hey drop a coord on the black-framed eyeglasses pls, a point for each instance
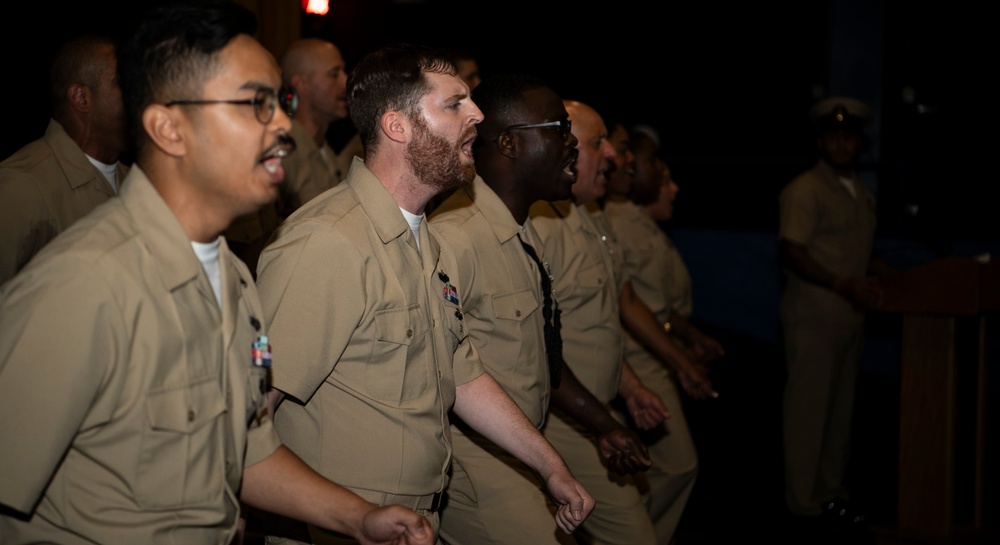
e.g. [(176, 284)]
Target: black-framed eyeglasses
[(264, 102), (564, 126)]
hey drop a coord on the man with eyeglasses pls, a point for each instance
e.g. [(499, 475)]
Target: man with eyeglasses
[(315, 69), (512, 318), (590, 286), (370, 300), (55, 180), (134, 366)]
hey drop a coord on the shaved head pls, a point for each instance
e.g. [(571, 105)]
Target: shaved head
[(316, 69), (303, 57)]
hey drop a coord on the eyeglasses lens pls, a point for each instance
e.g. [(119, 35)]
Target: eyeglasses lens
[(263, 105), (265, 101), (288, 98)]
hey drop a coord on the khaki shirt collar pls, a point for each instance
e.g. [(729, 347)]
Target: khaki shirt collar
[(382, 209), (497, 215), (159, 228), (78, 170)]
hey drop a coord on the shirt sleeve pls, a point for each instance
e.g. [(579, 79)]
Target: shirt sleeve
[(798, 207), (24, 221), (61, 337), (300, 294)]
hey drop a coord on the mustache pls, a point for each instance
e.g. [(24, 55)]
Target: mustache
[(283, 145)]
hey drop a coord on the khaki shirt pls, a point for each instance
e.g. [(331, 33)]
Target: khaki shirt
[(131, 393), (371, 347), (503, 300), (587, 290), (658, 274), (45, 187), (837, 229)]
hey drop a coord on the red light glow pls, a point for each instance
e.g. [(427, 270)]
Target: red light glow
[(317, 7)]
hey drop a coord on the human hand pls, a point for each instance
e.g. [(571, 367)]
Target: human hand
[(395, 525), (573, 502), (696, 383), (624, 452), (864, 292), (704, 348), (646, 408)]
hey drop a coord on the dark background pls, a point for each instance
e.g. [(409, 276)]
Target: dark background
[(728, 85)]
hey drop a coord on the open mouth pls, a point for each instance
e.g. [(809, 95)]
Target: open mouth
[(467, 143), (271, 158), (570, 167)]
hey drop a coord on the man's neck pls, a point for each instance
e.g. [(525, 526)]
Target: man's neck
[(87, 139), (410, 193), (316, 129), (182, 197), (509, 192)]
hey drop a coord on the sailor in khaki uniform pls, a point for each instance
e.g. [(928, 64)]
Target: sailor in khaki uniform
[(138, 408), (826, 232), (512, 317), (659, 279), (133, 354), (378, 373), (55, 180), (367, 302), (587, 286), (503, 310)]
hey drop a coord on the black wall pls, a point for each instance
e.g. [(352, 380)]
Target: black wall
[(727, 83)]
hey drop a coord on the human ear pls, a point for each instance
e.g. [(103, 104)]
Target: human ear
[(162, 128), (79, 97), (395, 126), (506, 144)]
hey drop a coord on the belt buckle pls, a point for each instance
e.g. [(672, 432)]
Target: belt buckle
[(436, 502)]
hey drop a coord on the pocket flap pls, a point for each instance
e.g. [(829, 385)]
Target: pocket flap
[(185, 409), (395, 325), (515, 306)]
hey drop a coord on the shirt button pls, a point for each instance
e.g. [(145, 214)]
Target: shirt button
[(409, 332), (190, 415), (517, 313)]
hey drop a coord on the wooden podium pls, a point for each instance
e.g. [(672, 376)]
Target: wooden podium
[(946, 307)]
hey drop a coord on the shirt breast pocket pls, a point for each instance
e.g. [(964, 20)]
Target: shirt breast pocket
[(182, 459), (391, 375), (515, 319), (590, 280)]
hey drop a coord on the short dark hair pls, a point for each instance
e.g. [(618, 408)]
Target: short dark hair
[(76, 61), (172, 50), (496, 97), (391, 78)]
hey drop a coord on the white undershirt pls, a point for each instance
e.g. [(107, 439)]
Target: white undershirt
[(109, 171), (414, 221), (208, 254), (849, 184)]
